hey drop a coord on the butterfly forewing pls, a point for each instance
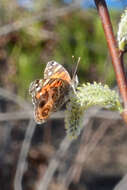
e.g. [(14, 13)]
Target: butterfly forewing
[(55, 70)]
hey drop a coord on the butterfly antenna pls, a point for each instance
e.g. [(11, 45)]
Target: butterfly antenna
[(75, 71)]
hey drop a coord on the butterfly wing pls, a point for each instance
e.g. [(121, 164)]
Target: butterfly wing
[(55, 70), (52, 92), (52, 96)]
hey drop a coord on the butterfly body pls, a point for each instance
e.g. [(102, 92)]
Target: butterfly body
[(50, 93)]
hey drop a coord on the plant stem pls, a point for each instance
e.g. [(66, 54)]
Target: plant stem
[(114, 52)]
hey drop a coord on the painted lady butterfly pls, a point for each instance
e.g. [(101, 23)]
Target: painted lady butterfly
[(50, 93)]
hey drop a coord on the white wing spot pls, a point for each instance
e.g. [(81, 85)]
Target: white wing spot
[(49, 73), (50, 67), (33, 101), (47, 80), (38, 88), (40, 81), (57, 68)]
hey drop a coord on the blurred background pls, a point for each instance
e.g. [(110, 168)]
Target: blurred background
[(40, 157)]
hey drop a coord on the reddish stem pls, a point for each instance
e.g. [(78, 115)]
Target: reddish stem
[(114, 52)]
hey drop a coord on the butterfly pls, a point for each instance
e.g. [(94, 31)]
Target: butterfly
[(50, 93)]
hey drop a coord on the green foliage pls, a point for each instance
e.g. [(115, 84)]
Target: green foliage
[(28, 69), (26, 56), (84, 37), (74, 40), (100, 46), (79, 34)]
